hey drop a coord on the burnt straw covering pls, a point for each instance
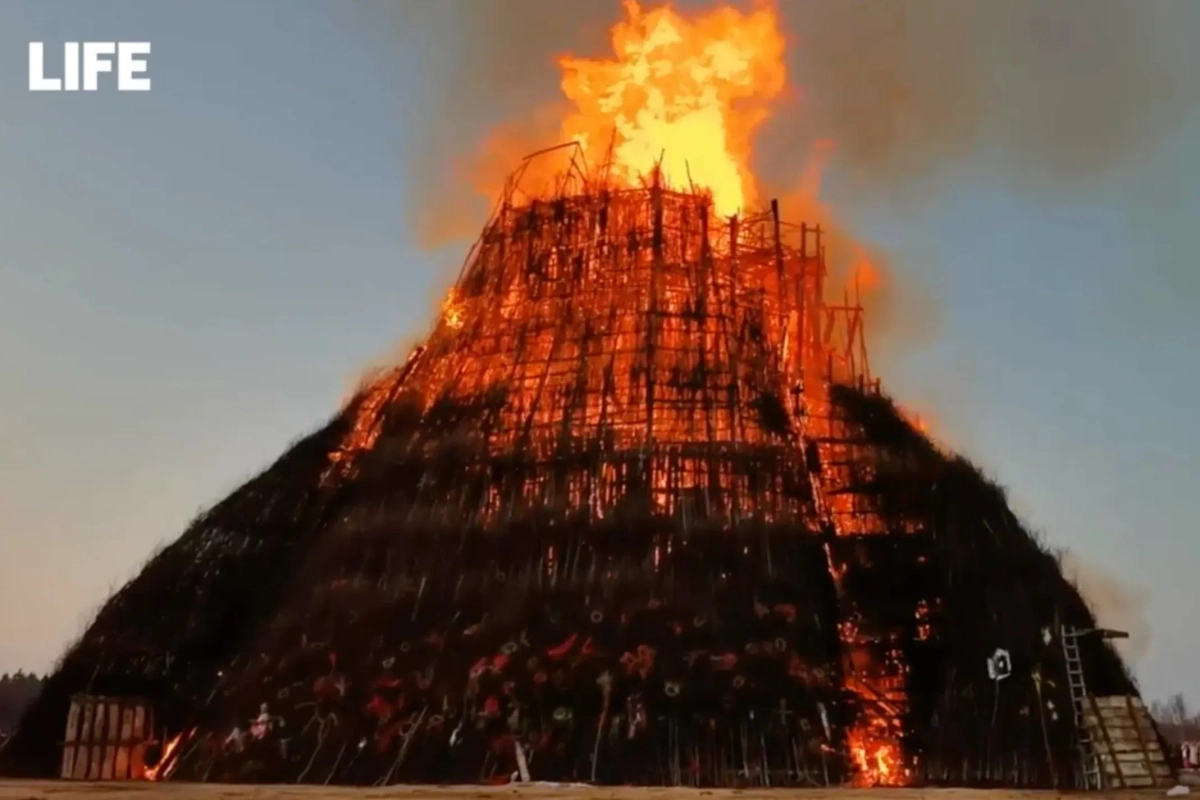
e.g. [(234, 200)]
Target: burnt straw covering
[(633, 513)]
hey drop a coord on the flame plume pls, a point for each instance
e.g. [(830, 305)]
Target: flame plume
[(686, 94)]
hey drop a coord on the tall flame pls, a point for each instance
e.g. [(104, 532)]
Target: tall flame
[(684, 93)]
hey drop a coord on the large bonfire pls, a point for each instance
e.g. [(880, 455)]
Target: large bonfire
[(634, 512)]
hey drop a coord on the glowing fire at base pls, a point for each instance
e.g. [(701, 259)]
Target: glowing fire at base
[(170, 752), (877, 759)]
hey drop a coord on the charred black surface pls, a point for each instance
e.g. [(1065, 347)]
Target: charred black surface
[(606, 520), (989, 584)]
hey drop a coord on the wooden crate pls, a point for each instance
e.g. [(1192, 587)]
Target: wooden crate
[(106, 738)]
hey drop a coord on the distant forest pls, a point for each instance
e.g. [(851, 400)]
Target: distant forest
[(1176, 720), (16, 692)]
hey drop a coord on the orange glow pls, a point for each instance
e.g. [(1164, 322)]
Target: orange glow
[(866, 277), (688, 93), (918, 422), (452, 314), (876, 757), (166, 764), (592, 318)]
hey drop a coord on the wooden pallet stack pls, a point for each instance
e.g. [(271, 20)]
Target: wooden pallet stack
[(1126, 743), (106, 738)]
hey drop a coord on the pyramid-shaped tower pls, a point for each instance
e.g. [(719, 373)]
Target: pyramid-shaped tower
[(634, 512)]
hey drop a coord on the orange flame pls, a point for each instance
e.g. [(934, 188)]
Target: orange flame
[(452, 311), (166, 763), (683, 94), (877, 758), (915, 419)]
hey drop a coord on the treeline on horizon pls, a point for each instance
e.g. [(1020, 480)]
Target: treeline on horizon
[(17, 691), (1177, 721)]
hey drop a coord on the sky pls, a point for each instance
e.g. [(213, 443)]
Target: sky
[(194, 277)]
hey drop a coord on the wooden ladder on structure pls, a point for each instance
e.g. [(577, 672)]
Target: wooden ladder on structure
[(1088, 762), (1118, 743)]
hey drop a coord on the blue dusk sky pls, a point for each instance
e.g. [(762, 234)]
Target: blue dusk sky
[(192, 278)]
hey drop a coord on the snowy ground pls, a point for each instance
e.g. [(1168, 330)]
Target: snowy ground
[(49, 790)]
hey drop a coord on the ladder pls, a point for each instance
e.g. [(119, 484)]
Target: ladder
[(1088, 761)]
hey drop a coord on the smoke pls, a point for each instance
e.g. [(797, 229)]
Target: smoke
[(380, 366), (1117, 604), (1054, 92), (493, 97), (398, 352), (902, 313), (891, 95)]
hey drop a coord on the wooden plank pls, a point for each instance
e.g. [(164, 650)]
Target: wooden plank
[(137, 762), (98, 721), (72, 732), (68, 761), (1121, 738), (69, 736), (1109, 747), (1129, 779), (121, 763), (1128, 771), (1125, 740), (1126, 754), (1133, 771), (1132, 709), (1131, 764), (82, 752), (123, 760), (85, 730), (1125, 744), (112, 713), (107, 761), (139, 722), (1132, 781), (94, 757), (81, 762), (114, 720), (1111, 701)]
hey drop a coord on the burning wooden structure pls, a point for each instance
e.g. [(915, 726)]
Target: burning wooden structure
[(635, 512)]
